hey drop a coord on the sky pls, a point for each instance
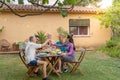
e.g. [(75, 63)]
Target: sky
[(104, 3)]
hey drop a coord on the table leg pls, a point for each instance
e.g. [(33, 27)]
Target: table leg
[(52, 66)]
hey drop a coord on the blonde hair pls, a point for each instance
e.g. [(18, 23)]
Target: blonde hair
[(48, 35)]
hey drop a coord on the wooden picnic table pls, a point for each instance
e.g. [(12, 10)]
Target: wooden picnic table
[(52, 60)]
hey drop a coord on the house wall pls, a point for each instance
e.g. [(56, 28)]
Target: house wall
[(18, 29)]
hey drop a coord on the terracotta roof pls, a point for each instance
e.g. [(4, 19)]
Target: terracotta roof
[(31, 8)]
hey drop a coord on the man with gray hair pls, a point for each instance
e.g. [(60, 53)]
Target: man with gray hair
[(30, 53)]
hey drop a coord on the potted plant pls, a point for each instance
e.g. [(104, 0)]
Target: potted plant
[(42, 37), (61, 30)]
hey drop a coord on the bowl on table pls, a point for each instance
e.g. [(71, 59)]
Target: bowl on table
[(59, 53)]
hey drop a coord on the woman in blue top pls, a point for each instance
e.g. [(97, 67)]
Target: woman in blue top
[(61, 42)]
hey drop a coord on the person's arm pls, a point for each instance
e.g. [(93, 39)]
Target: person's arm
[(42, 45), (58, 45), (70, 51), (39, 45), (61, 45)]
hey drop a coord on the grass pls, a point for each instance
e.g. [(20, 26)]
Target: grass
[(94, 67)]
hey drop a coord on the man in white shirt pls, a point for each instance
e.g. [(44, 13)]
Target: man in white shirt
[(30, 52)]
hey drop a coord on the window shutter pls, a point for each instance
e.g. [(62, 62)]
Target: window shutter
[(79, 22)]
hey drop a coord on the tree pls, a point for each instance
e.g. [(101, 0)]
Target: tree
[(84, 2), (111, 18), (60, 5), (42, 3)]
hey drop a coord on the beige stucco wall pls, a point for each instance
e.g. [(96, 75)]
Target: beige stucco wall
[(18, 29)]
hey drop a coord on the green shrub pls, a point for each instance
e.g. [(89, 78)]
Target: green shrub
[(112, 47), (110, 44), (62, 31), (113, 52), (118, 45)]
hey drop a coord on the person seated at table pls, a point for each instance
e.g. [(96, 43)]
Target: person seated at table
[(37, 39), (60, 42), (30, 56), (69, 56), (49, 46), (49, 36)]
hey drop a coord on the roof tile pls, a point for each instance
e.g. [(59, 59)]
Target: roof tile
[(31, 8)]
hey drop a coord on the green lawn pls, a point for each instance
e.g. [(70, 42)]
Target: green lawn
[(94, 67)]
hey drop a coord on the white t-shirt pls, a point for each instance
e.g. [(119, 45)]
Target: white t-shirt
[(30, 51)]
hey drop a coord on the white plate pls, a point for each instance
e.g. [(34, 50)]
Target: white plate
[(41, 54)]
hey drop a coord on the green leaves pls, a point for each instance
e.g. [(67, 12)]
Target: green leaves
[(63, 13), (45, 1), (60, 4), (20, 2), (72, 2), (81, 2), (62, 31), (8, 1), (111, 18), (42, 37)]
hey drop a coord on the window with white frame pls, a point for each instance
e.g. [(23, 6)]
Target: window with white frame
[(79, 26)]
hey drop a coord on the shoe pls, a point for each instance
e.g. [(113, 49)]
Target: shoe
[(37, 73), (46, 78), (65, 67), (65, 70)]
